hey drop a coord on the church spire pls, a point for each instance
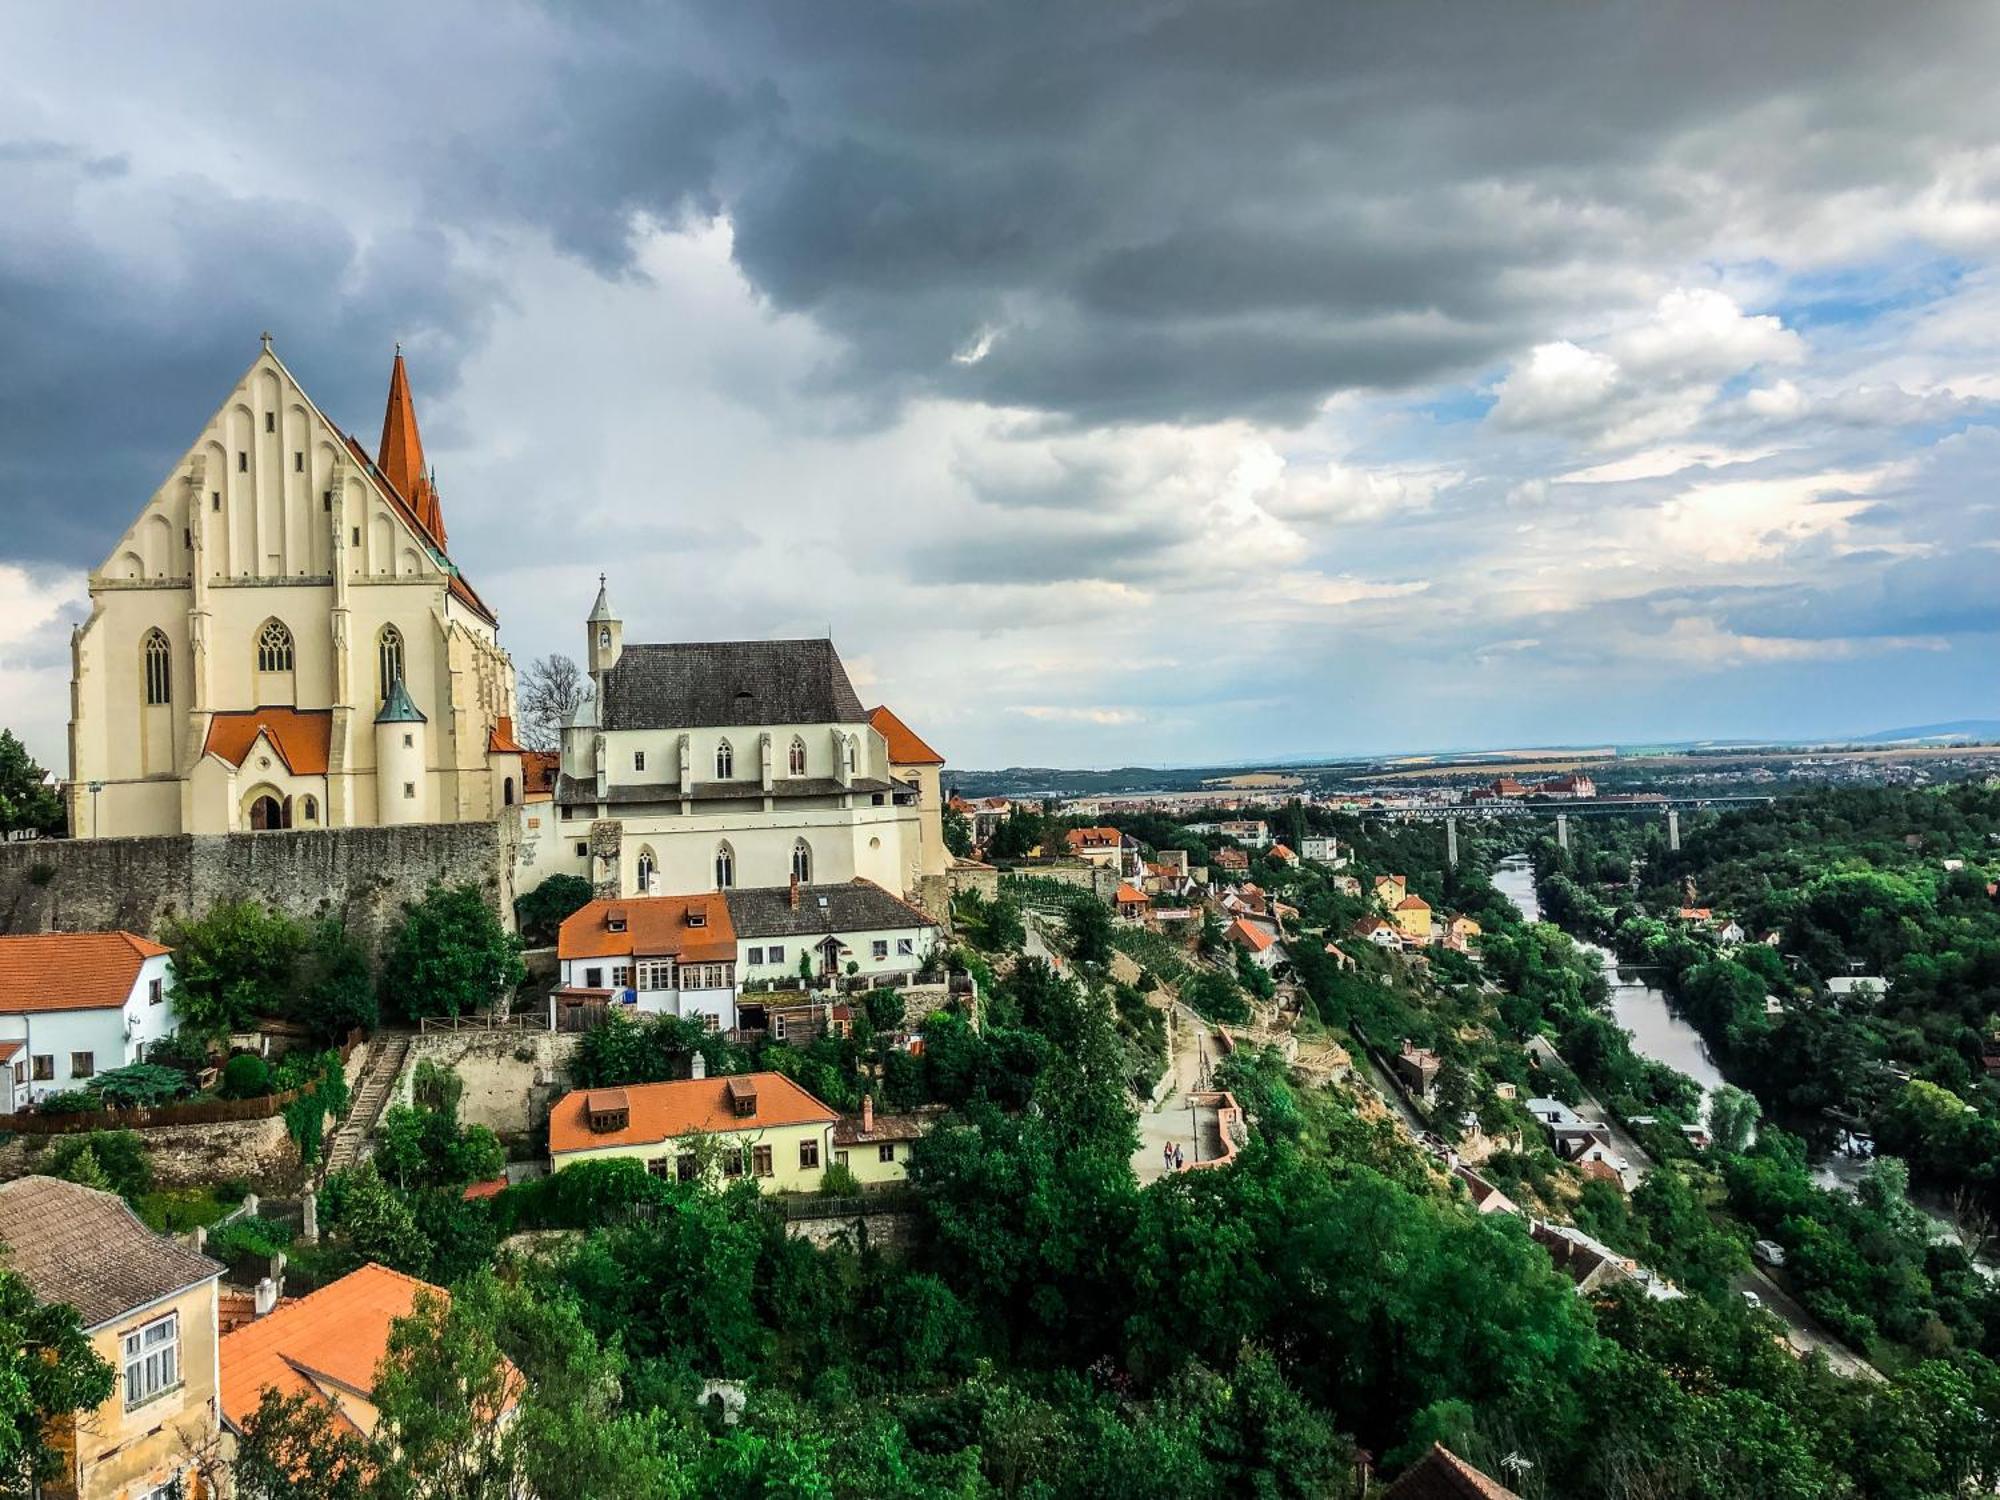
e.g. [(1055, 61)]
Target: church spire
[(401, 457)]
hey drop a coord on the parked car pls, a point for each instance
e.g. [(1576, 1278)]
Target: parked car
[(1768, 1253)]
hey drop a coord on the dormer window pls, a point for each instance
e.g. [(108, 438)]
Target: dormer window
[(697, 916), (614, 919), (606, 1110), (741, 1095)]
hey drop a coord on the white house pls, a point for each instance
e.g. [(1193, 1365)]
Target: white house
[(666, 955), (76, 1004), (855, 923), (1322, 850)]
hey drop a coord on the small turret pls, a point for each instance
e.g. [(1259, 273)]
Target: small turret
[(607, 636), (401, 758)]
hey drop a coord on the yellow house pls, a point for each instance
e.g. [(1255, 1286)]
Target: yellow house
[(1412, 916), (757, 1125), (148, 1305), (876, 1148), (1464, 929), (1389, 889)]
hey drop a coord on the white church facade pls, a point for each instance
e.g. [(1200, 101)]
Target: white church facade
[(281, 639), (734, 764)]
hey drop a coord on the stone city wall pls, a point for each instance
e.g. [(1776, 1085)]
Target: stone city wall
[(360, 875)]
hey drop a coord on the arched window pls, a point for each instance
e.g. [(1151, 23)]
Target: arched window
[(798, 758), (725, 762), (274, 647), (850, 755), (389, 660), (646, 871), (159, 668), (310, 807), (507, 792), (802, 862), (725, 867)]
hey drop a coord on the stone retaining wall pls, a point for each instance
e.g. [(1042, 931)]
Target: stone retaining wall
[(190, 1155), (360, 875), (511, 1078)]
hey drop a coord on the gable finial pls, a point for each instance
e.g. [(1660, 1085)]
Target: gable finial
[(266, 337)]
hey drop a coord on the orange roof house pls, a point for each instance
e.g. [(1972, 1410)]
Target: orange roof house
[(325, 1346), (656, 1112), (1283, 855), (906, 747), (300, 736), (1080, 839), (1442, 1475), (500, 741), (54, 971), (1244, 935), (693, 929)]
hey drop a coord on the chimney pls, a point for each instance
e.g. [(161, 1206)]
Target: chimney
[(795, 890), (867, 1114), (266, 1297), (700, 1067)]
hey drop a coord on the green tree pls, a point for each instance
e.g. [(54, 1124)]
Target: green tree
[(336, 986), (47, 1371), (376, 1222), (293, 1448), (27, 803), (450, 956), (138, 1085), (1089, 924), (116, 1160), (1732, 1119), (233, 966), (957, 833), (540, 913)]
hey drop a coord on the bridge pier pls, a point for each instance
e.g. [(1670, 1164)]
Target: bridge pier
[(1451, 843), (1673, 828), (1562, 830)]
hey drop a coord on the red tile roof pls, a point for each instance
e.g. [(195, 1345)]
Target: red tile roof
[(1442, 1475), (539, 769), (500, 741), (70, 970), (1127, 896), (336, 1337), (1413, 903), (655, 927), (664, 1111), (1253, 938), (1093, 838), (491, 1188), (906, 748), (301, 736)]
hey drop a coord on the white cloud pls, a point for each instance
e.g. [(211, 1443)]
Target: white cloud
[(1559, 382)]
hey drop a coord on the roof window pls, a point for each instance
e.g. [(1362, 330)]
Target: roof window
[(614, 919), (607, 1110), (742, 1096)]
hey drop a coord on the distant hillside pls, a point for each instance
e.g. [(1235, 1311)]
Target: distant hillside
[(1958, 730)]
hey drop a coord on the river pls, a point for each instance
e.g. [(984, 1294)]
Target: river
[(1659, 1034), (1641, 1009)]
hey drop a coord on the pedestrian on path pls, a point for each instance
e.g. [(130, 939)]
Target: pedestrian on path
[(1180, 1162), (1167, 1152)]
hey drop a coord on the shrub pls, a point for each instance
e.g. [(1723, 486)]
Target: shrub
[(839, 1180), (245, 1076), (251, 1237), (70, 1102), (118, 1155), (138, 1085)]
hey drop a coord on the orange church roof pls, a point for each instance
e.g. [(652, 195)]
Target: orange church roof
[(301, 736), (501, 740), (906, 748), (663, 1111)]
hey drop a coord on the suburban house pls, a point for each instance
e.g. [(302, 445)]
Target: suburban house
[(1097, 846), (798, 1018), (1570, 1135), (1730, 933), (1320, 849), (1412, 916), (1417, 1069), (1257, 943), (1390, 889), (76, 1004), (854, 925), (1231, 861), (148, 1305), (757, 1125), (1857, 987), (1280, 854), (1377, 931), (667, 955), (1461, 933), (1442, 1475), (1347, 885), (325, 1346), (876, 1147)]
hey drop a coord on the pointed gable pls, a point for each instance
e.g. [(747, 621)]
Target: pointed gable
[(400, 456)]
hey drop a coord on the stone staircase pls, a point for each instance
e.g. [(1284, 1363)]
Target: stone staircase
[(386, 1054)]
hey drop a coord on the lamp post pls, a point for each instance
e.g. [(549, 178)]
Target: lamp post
[(95, 788)]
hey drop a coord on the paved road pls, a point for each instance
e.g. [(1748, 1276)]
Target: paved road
[(1166, 1117), (1802, 1331)]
